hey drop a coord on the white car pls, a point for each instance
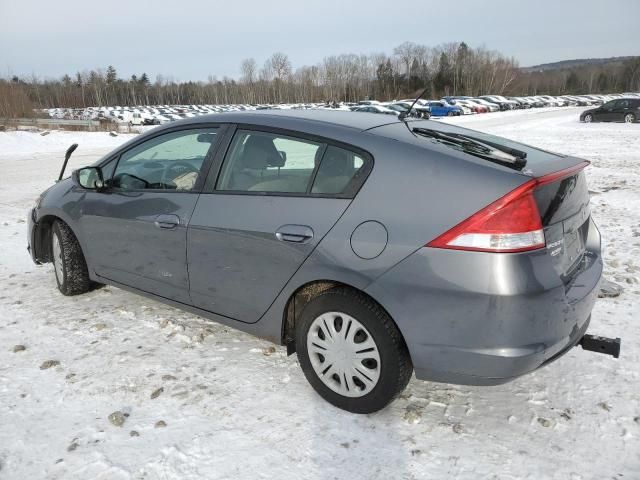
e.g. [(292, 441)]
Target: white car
[(491, 106), (162, 119)]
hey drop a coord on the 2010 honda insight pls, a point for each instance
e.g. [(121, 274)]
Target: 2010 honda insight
[(373, 247)]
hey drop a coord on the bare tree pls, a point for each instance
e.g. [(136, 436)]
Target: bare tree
[(249, 69), (406, 52), (452, 68)]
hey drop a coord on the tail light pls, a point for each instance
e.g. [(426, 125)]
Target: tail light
[(510, 224)]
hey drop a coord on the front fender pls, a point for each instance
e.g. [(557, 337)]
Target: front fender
[(58, 203)]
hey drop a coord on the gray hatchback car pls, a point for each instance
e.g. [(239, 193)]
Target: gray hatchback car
[(372, 247)]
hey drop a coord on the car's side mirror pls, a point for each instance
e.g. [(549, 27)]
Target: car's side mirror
[(89, 178), (283, 154)]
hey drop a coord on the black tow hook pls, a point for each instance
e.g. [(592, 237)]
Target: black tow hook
[(608, 346)]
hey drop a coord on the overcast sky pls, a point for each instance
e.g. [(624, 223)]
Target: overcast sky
[(192, 39)]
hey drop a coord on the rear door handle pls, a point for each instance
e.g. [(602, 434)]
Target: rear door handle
[(294, 233), (167, 222)]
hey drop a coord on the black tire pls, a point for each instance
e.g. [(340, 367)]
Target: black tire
[(73, 279), (395, 363), (629, 118), (588, 118)]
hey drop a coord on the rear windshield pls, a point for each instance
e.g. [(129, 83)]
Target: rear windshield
[(538, 161), (401, 132)]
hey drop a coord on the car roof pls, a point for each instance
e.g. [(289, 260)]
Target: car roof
[(305, 118)]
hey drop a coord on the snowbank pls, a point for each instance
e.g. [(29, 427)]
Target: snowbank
[(28, 143)]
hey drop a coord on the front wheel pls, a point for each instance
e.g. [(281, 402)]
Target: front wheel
[(351, 351), (629, 118), (69, 265), (588, 118)]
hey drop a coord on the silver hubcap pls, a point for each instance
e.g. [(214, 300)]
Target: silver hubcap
[(57, 258), (628, 118), (343, 354), (587, 119)]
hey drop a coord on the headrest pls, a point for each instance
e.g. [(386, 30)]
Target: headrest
[(260, 152)]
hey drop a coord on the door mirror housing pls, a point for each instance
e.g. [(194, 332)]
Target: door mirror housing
[(89, 178)]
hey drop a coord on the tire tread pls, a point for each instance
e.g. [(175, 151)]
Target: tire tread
[(76, 273)]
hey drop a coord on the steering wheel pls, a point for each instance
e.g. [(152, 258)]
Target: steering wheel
[(176, 169), (121, 182)]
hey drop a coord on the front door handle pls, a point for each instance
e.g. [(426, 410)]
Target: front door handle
[(294, 233), (167, 222)]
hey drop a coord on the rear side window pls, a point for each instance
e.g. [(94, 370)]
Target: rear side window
[(265, 162), (336, 171)]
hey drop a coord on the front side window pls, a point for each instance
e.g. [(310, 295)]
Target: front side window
[(266, 162), (172, 161)]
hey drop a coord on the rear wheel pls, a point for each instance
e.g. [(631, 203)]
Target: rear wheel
[(70, 267), (351, 351), (588, 118), (629, 118)]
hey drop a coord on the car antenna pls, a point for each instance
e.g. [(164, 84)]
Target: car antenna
[(67, 155), (404, 115)]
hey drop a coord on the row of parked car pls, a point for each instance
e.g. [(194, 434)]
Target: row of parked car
[(465, 105), (423, 108)]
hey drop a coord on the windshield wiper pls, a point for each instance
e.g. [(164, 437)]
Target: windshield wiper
[(493, 152)]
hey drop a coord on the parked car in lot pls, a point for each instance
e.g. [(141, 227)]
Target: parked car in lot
[(370, 247), (520, 102), (502, 102), (373, 108), (417, 110), (474, 106), (621, 110), (493, 107), (575, 100), (464, 104), (443, 109)]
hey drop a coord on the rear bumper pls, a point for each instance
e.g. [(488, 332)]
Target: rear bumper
[(483, 319), (501, 365)]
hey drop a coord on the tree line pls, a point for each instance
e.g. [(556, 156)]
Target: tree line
[(448, 69)]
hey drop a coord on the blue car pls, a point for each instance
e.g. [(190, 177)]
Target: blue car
[(443, 109)]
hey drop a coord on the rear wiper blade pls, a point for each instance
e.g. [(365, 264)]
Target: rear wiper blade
[(488, 150), (503, 148)]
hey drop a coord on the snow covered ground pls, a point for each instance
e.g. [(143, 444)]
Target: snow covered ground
[(234, 407)]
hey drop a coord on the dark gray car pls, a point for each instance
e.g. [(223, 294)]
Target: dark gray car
[(372, 247), (620, 110)]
